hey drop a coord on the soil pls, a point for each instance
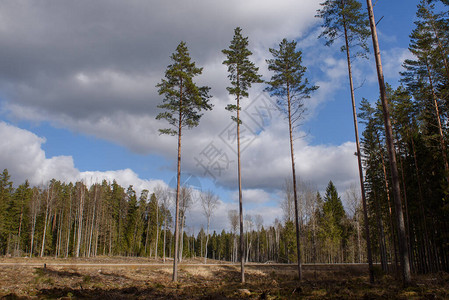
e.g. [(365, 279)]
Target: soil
[(139, 278)]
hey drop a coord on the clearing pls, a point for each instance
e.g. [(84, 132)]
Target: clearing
[(142, 278)]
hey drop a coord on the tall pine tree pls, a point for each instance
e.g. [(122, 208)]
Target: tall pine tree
[(242, 73), (290, 88), (183, 103), (346, 17)]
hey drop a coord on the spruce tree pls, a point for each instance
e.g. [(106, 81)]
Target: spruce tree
[(183, 103), (242, 73), (6, 191), (290, 87)]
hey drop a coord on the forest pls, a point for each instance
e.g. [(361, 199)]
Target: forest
[(73, 220), (399, 218)]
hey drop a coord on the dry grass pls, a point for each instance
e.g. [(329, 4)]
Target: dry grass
[(141, 280)]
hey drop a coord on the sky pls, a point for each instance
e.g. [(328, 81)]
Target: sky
[(78, 96)]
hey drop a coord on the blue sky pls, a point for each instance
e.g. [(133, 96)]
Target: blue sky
[(78, 96)]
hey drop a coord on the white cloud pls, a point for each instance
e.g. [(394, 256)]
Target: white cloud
[(392, 61), (25, 159), (252, 196)]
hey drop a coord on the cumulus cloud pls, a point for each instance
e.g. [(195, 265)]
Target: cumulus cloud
[(253, 196), (25, 159)]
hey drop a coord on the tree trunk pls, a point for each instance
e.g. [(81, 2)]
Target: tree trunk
[(382, 246), (242, 240), (33, 227), (207, 239), (165, 236), (45, 223), (93, 222), (402, 240), (390, 213), (157, 228), (359, 159), (181, 242), (147, 235), (80, 221), (295, 194), (17, 247), (175, 260), (69, 219), (440, 129)]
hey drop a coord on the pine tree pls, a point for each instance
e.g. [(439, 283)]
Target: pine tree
[(242, 73), (427, 75), (290, 88), (346, 16), (183, 102), (402, 239)]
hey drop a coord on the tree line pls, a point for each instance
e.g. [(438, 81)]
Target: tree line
[(418, 110), (105, 219)]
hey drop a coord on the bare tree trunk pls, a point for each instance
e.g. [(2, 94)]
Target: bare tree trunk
[(80, 220), (93, 222), (383, 248), (440, 129), (147, 235), (97, 232), (165, 235), (17, 247), (59, 241), (248, 248), (242, 239), (359, 159), (421, 202), (176, 254), (46, 221), (33, 227), (295, 194), (110, 237), (390, 214), (181, 244), (402, 240), (207, 241), (69, 219), (157, 228)]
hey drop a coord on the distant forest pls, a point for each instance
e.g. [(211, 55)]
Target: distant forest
[(73, 220)]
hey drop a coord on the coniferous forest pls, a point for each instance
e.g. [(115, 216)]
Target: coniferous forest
[(400, 219)]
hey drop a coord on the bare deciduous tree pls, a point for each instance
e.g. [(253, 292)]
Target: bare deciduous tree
[(288, 202), (209, 202), (166, 200), (234, 220), (249, 228), (185, 197), (259, 224)]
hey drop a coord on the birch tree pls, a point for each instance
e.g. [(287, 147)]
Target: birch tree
[(209, 202)]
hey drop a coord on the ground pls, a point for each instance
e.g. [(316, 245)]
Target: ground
[(138, 278)]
